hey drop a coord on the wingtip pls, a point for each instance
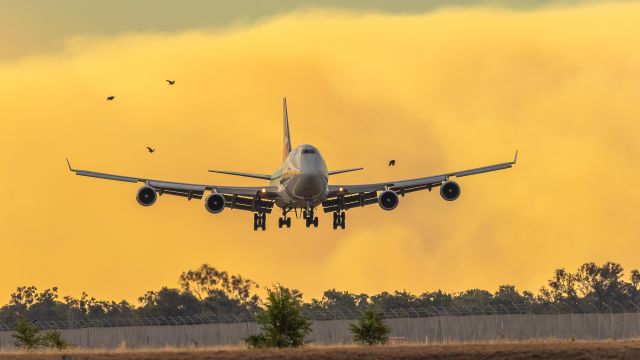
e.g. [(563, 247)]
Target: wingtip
[(515, 158), (69, 164)]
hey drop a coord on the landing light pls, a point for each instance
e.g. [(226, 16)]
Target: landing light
[(341, 189), (264, 190)]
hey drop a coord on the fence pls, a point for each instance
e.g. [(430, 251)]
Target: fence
[(433, 329), (337, 313)]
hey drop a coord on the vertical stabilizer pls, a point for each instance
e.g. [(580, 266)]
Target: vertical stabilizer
[(287, 137)]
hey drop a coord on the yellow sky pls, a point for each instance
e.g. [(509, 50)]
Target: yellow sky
[(443, 91)]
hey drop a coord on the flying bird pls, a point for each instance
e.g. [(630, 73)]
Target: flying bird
[(171, 82), (109, 98), (392, 163), (150, 150)]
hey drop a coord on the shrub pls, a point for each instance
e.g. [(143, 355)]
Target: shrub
[(281, 321), (53, 339), (371, 329), (26, 335)]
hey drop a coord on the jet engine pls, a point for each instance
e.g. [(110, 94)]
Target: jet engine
[(146, 196), (388, 200), (450, 190), (214, 203)]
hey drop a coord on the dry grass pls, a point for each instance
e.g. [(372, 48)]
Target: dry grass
[(533, 350)]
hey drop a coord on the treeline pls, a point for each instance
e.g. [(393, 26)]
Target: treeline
[(208, 290)]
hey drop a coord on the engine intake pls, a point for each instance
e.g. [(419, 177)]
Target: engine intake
[(388, 200), (214, 203), (450, 190), (146, 196)]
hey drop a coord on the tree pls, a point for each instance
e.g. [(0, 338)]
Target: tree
[(53, 339), (169, 302), (371, 329), (562, 287), (207, 281), (26, 335), (281, 321)]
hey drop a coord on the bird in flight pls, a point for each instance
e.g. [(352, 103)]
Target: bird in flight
[(392, 163), (151, 150), (109, 98), (171, 82)]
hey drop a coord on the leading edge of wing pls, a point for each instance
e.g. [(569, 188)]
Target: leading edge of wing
[(265, 191), (358, 188)]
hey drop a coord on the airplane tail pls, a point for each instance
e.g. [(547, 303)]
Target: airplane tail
[(287, 137)]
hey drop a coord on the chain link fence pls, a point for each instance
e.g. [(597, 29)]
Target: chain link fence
[(337, 313)]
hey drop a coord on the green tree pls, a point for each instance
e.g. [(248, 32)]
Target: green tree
[(281, 321), (26, 335), (53, 339), (371, 329)]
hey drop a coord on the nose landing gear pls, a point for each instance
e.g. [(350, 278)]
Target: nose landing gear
[(339, 219), (259, 221)]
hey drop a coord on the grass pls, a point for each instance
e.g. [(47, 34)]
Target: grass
[(547, 349)]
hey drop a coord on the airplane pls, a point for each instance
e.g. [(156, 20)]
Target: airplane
[(301, 183)]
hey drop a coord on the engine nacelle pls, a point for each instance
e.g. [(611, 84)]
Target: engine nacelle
[(146, 196), (214, 203), (450, 190), (388, 200)]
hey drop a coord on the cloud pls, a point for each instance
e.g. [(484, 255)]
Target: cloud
[(32, 27), (438, 92)]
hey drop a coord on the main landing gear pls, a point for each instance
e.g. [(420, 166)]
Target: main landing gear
[(259, 221), (310, 218), (339, 219), (284, 220)]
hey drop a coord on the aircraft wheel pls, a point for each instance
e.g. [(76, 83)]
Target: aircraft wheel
[(315, 222), (280, 223), (288, 222)]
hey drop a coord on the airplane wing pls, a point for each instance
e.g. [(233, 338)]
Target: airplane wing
[(350, 196), (250, 198)]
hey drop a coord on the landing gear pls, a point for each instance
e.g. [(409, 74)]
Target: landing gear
[(259, 221), (310, 218), (339, 219), (284, 220)]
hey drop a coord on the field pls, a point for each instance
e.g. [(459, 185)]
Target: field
[(519, 351)]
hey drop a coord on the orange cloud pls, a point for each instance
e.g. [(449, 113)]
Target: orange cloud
[(437, 92)]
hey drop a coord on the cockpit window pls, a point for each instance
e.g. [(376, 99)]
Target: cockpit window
[(308, 151)]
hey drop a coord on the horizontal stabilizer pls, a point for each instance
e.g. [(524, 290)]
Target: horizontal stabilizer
[(255, 176), (333, 172)]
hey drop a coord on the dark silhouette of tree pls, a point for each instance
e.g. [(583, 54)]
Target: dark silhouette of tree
[(562, 288), (508, 295), (169, 302), (207, 281), (435, 298), (334, 300), (207, 290), (472, 297)]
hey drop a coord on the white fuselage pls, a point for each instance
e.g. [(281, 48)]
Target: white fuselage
[(302, 180)]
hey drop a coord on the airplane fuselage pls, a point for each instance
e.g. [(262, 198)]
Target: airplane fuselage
[(302, 180)]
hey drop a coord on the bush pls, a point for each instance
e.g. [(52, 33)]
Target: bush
[(371, 329), (53, 339), (281, 321), (257, 341), (26, 335)]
